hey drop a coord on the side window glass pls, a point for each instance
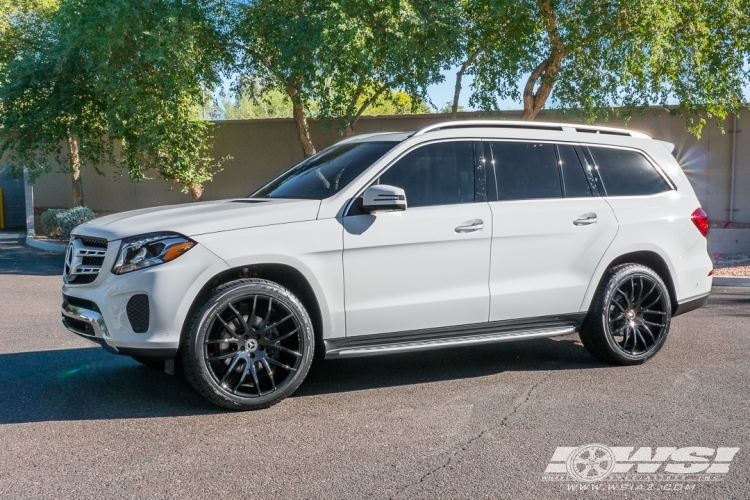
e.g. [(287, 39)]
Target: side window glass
[(526, 171), (627, 173), (574, 178), (436, 174)]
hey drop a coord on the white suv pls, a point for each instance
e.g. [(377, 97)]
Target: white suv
[(458, 234)]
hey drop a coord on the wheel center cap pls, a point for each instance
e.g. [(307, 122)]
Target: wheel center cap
[(251, 345)]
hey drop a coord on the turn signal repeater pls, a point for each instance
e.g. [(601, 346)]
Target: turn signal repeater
[(700, 219)]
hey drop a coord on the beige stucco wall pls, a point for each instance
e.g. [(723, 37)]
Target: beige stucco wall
[(261, 149)]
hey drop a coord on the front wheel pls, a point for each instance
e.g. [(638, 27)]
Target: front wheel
[(629, 319), (250, 346)]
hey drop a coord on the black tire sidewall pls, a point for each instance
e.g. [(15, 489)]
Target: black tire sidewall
[(204, 381), (616, 279)]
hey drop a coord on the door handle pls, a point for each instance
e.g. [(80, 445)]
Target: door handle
[(470, 226), (585, 220)]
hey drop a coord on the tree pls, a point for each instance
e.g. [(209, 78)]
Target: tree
[(46, 106), (595, 55), (121, 76), (343, 56), (277, 43), (372, 48)]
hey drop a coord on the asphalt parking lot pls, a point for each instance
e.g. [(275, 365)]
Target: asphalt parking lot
[(479, 422)]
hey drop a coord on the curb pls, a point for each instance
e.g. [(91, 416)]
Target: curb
[(731, 281), (45, 245)]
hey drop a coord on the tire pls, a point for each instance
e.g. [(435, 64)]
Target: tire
[(629, 318), (249, 346), (157, 363)]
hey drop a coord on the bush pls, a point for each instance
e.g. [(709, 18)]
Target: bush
[(49, 222), (58, 223)]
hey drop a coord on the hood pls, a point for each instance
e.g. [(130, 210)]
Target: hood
[(192, 219)]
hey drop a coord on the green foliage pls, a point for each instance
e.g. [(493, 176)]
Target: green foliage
[(593, 55), (49, 222), (58, 223), (120, 76), (274, 104)]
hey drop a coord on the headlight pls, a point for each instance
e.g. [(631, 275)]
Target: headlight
[(150, 250)]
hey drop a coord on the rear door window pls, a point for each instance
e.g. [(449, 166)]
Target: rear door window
[(627, 173), (526, 171), (575, 183)]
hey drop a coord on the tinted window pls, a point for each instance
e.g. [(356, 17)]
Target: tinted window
[(574, 178), (436, 174), (526, 170), (626, 173), (326, 173)]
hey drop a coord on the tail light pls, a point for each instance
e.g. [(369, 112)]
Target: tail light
[(700, 219)]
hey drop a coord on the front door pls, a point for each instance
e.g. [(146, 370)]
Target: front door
[(427, 266)]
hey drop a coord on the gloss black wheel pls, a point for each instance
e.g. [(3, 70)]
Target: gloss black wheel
[(630, 316), (250, 346)]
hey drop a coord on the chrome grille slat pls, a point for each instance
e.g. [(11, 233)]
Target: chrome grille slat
[(81, 266)]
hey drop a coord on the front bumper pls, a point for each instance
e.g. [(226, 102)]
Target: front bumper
[(88, 324), (98, 310)]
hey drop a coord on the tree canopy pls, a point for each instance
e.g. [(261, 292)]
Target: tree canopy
[(119, 81)]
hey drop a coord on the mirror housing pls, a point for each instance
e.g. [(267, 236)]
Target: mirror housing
[(382, 197)]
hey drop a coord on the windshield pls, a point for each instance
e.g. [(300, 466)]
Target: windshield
[(326, 173)]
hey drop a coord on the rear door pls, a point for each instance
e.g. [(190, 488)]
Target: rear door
[(550, 229)]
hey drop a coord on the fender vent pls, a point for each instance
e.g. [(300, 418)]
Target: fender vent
[(138, 312)]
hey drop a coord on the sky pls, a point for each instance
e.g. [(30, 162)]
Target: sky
[(443, 92)]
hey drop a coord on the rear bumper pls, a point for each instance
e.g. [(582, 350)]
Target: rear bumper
[(691, 304)]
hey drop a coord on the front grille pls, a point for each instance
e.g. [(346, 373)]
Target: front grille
[(138, 312), (83, 303), (84, 259), (80, 326), (93, 242)]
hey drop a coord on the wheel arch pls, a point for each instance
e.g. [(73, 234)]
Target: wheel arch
[(649, 258), (285, 275)]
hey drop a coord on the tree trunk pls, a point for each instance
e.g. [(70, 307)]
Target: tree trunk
[(459, 77), (298, 110), (75, 166), (349, 130), (545, 74), (196, 191)]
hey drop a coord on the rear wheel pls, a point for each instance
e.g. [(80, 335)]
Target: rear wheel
[(250, 346), (629, 318)]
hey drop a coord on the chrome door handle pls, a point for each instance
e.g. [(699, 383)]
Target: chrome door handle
[(585, 220), (470, 226)]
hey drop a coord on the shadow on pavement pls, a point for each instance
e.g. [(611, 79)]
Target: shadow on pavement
[(343, 375), (91, 384), (18, 258)]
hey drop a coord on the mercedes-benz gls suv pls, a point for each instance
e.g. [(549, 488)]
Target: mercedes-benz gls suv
[(461, 233)]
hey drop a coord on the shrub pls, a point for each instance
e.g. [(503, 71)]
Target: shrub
[(58, 223), (50, 226)]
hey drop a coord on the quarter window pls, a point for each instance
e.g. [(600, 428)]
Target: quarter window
[(627, 173), (436, 174), (526, 171)]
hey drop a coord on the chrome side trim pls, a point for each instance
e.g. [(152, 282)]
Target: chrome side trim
[(427, 344)]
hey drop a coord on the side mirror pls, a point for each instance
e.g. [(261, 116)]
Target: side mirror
[(383, 197)]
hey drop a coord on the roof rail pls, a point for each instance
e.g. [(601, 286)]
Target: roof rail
[(562, 127)]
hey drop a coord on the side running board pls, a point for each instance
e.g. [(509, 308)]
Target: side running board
[(422, 340)]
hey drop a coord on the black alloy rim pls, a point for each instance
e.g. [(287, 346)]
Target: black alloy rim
[(253, 346), (637, 315)]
